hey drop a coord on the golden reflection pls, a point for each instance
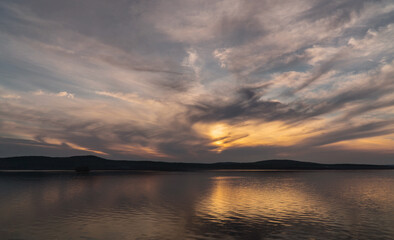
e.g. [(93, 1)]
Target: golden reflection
[(182, 206), (249, 199), (254, 133)]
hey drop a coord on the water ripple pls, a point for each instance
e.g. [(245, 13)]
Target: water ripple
[(205, 205)]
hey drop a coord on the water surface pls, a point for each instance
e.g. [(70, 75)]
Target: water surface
[(198, 205)]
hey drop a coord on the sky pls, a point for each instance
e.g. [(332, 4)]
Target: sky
[(198, 81)]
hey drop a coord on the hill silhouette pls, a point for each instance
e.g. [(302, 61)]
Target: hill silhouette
[(87, 163)]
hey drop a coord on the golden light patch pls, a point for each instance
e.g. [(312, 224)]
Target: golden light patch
[(77, 147), (138, 150), (276, 200), (253, 133), (381, 143), (53, 141)]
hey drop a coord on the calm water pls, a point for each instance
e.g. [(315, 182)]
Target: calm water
[(198, 205)]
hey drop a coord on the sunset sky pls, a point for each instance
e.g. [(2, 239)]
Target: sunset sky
[(198, 81)]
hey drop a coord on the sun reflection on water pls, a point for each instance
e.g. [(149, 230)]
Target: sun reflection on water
[(244, 198)]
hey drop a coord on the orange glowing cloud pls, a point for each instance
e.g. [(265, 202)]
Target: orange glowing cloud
[(379, 143), (77, 147), (254, 133), (143, 151)]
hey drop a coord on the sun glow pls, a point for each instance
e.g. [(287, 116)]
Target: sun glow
[(253, 133)]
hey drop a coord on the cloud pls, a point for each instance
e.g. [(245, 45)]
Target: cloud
[(353, 132), (10, 96), (59, 94), (191, 80), (192, 61), (65, 94), (247, 104), (128, 97), (77, 147)]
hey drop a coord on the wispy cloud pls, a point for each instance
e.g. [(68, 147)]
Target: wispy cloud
[(198, 80), (59, 94)]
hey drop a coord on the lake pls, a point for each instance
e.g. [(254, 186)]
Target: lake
[(198, 205)]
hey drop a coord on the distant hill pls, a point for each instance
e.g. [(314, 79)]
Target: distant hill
[(87, 163)]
